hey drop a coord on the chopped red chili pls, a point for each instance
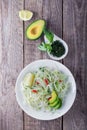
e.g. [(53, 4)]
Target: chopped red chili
[(60, 81), (37, 82), (34, 91), (49, 98), (46, 81)]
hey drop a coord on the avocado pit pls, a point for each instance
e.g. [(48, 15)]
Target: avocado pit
[(34, 31)]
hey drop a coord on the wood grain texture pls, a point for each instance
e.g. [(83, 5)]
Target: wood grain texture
[(31, 51), (48, 11), (75, 34), (11, 63), (69, 21), (52, 13)]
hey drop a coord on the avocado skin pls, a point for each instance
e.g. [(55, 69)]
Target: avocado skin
[(40, 34)]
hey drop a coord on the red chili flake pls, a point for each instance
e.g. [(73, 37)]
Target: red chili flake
[(46, 81), (37, 82), (49, 98), (34, 91), (60, 81)]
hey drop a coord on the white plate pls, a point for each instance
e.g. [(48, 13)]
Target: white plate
[(70, 97)]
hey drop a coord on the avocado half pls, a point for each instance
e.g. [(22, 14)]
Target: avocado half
[(35, 29)]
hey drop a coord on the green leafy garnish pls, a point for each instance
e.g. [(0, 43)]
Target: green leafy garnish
[(42, 47), (45, 47), (49, 35)]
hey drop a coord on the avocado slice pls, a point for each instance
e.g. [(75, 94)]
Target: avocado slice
[(35, 29), (59, 104), (53, 97), (54, 103)]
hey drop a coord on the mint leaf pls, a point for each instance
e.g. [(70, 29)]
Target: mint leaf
[(45, 47), (49, 35), (48, 47), (42, 47)]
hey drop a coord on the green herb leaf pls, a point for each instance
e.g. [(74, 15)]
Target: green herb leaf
[(45, 47), (49, 35), (48, 47), (42, 47)]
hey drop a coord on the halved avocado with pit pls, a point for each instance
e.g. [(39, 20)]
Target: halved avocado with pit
[(53, 97), (35, 29)]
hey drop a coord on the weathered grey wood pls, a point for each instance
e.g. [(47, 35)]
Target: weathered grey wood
[(31, 51), (14, 56), (11, 63), (48, 11), (75, 34), (52, 13)]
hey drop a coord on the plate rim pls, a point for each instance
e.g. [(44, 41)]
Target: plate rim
[(25, 69)]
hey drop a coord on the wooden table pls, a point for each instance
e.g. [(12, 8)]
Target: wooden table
[(67, 19)]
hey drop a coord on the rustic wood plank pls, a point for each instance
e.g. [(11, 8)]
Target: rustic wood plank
[(31, 52), (11, 63), (75, 34), (51, 11)]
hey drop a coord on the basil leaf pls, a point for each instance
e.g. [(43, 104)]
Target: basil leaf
[(49, 35)]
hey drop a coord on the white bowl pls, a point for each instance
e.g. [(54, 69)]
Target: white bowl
[(62, 42), (69, 98)]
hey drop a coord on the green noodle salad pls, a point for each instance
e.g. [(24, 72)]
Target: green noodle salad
[(45, 89)]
